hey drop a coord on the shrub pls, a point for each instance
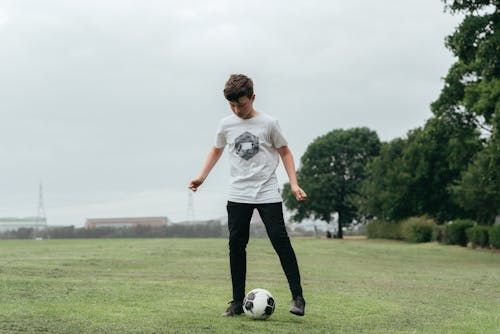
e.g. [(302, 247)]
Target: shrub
[(418, 229), (455, 232), (478, 236), (381, 229), (495, 236)]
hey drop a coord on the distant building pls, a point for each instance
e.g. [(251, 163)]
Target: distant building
[(200, 222), (14, 224), (126, 222)]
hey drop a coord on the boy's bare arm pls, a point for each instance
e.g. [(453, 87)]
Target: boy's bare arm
[(287, 158), (212, 158)]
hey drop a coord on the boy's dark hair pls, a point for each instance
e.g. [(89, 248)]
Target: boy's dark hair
[(238, 85)]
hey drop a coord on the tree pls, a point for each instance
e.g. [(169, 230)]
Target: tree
[(332, 169), (385, 191), (471, 96), (471, 93), (479, 188), (411, 176), (435, 158)]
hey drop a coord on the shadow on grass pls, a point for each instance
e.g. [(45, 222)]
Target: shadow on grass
[(275, 321)]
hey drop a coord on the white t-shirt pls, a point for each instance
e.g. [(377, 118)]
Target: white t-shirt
[(253, 157)]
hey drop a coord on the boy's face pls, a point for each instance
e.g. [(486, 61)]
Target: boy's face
[(243, 107)]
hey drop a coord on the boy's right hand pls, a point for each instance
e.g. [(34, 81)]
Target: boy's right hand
[(195, 183)]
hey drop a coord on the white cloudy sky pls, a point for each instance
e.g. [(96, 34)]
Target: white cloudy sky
[(112, 104)]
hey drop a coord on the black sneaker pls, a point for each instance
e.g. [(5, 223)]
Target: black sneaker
[(235, 308), (298, 306)]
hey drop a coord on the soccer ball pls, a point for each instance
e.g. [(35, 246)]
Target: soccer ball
[(258, 304)]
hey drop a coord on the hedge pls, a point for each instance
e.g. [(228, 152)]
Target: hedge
[(478, 236), (455, 232), (381, 229), (495, 236), (418, 229)]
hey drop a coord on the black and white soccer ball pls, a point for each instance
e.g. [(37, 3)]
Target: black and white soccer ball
[(258, 304)]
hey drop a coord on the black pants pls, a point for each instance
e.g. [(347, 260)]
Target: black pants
[(239, 216)]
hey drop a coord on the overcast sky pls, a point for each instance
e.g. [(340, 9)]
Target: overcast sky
[(112, 105)]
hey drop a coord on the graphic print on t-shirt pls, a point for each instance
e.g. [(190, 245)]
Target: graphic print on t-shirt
[(247, 145)]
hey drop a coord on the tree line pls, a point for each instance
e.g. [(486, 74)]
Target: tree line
[(447, 169), (209, 229), (205, 229)]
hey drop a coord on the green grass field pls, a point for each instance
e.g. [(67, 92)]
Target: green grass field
[(182, 286)]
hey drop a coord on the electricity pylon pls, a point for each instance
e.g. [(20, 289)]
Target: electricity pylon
[(40, 228)]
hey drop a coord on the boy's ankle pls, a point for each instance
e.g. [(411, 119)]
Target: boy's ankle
[(235, 308), (298, 305)]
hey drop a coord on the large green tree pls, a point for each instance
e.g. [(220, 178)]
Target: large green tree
[(386, 191), (411, 176), (471, 92), (479, 188), (331, 171), (471, 97)]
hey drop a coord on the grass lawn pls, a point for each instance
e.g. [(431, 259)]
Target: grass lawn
[(182, 286)]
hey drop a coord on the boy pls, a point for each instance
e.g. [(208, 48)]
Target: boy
[(254, 141)]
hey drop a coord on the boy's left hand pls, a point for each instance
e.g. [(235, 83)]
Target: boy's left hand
[(300, 194)]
